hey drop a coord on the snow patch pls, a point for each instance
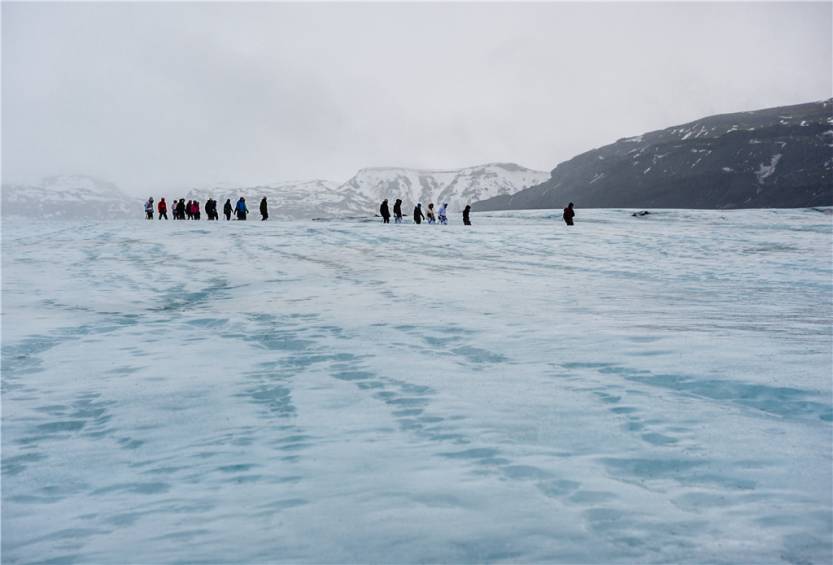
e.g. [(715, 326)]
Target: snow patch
[(597, 177), (765, 171)]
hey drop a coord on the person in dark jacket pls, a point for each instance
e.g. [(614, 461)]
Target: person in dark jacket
[(264, 212), (195, 207), (180, 209), (418, 215), (397, 211), (384, 211), (569, 214), (241, 209), (466, 220), (227, 209)]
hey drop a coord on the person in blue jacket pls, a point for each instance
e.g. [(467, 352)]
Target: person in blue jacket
[(241, 209)]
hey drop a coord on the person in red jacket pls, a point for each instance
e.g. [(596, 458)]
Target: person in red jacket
[(163, 209), (569, 214)]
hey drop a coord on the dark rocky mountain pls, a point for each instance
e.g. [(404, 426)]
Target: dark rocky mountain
[(773, 158)]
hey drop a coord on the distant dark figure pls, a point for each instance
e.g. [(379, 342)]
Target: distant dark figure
[(569, 214), (241, 209), (149, 209), (264, 212), (196, 210), (383, 210), (397, 211), (466, 220), (162, 207), (211, 209), (418, 215), (227, 209), (180, 209), (189, 210), (642, 213)]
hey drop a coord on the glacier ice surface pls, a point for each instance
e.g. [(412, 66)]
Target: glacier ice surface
[(651, 389)]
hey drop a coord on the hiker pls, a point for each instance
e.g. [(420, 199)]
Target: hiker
[(569, 214), (442, 213), (432, 219), (418, 215), (196, 209), (149, 209), (466, 220), (384, 211), (211, 209), (163, 209), (227, 209), (241, 209), (397, 211), (264, 213), (180, 209)]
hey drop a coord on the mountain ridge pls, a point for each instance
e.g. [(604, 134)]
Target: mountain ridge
[(773, 157), (83, 196)]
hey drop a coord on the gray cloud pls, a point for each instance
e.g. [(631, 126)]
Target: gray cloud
[(163, 95)]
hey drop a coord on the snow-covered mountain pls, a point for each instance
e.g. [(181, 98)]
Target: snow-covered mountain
[(86, 197), (69, 196), (457, 187), (287, 199)]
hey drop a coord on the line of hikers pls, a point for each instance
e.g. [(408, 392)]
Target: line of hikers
[(441, 215), (190, 210), (181, 210)]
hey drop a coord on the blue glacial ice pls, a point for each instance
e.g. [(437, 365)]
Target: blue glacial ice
[(653, 389)]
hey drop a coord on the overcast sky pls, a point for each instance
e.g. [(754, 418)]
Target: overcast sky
[(169, 95)]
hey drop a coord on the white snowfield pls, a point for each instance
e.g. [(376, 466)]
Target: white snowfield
[(628, 390)]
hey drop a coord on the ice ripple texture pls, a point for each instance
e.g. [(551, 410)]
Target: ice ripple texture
[(653, 389)]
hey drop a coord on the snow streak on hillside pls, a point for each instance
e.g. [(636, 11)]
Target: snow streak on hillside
[(630, 390)]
